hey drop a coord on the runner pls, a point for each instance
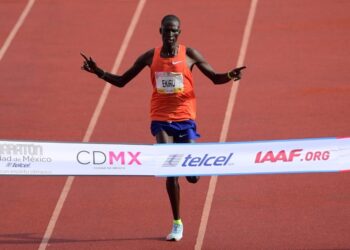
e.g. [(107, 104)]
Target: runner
[(173, 102)]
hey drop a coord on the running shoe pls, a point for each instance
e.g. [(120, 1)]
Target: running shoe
[(176, 233)]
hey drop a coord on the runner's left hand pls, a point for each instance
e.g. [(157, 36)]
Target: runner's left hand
[(236, 74)]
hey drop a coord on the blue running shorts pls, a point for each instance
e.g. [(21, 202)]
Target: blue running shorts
[(181, 131)]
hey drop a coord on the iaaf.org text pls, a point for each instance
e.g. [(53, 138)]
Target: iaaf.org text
[(292, 155)]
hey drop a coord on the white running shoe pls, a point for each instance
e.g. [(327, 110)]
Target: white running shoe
[(176, 233)]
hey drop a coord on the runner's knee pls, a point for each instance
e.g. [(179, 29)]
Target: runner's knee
[(192, 179)]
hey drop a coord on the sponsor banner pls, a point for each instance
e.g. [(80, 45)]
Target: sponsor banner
[(268, 157), (39, 158)]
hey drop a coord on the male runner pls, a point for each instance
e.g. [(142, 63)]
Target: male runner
[(173, 103)]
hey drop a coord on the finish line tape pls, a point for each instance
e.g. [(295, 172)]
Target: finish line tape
[(262, 157)]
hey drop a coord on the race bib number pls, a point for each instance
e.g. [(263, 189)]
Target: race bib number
[(169, 82)]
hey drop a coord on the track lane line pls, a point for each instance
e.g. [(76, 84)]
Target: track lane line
[(92, 124), (227, 119), (115, 68), (15, 28)]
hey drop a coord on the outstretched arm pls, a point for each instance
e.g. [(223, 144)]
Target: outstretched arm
[(118, 80), (195, 58)]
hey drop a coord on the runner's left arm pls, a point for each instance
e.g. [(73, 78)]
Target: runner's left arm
[(217, 78)]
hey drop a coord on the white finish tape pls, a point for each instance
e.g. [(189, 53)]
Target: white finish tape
[(267, 157)]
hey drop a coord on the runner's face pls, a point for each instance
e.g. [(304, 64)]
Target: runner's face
[(170, 31)]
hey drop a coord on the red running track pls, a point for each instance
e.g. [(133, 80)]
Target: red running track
[(296, 86)]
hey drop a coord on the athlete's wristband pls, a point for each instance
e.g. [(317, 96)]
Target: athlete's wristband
[(229, 75)]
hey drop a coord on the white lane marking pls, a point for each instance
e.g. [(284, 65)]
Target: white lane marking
[(225, 126), (15, 28), (115, 68), (92, 124)]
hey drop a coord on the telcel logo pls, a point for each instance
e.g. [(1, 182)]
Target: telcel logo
[(98, 157), (206, 160)]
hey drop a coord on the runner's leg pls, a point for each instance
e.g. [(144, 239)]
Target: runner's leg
[(172, 183), (173, 189), (190, 179)]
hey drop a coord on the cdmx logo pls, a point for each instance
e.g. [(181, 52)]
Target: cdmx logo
[(85, 157), (206, 160)]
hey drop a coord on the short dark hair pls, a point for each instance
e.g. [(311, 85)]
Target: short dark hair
[(170, 18)]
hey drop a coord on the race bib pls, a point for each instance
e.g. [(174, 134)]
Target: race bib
[(169, 82)]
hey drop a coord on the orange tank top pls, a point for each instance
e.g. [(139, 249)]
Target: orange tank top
[(173, 96)]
